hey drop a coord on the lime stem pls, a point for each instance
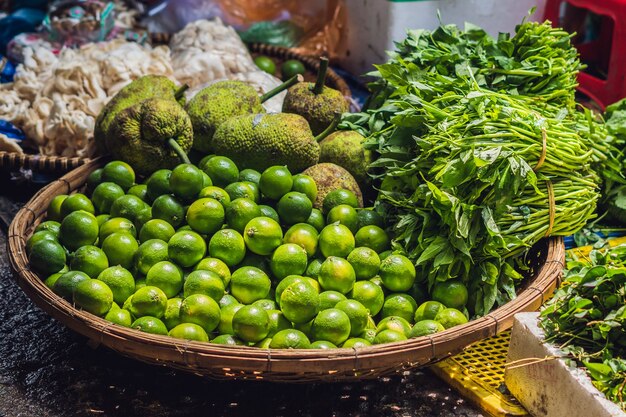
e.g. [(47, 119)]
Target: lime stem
[(330, 129), (181, 90), (179, 151), (321, 76), (290, 82)]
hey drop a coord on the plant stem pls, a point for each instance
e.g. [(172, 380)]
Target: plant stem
[(321, 76), (178, 150), (284, 86)]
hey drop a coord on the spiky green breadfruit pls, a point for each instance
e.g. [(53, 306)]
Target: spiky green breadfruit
[(318, 109), (140, 135), (217, 103), (259, 141), (142, 88), (345, 148)]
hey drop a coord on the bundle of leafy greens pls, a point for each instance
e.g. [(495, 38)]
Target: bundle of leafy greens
[(481, 152), (587, 319)]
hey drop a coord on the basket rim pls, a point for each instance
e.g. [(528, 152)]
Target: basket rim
[(192, 355)]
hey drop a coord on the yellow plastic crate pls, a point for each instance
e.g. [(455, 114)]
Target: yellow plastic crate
[(477, 373)]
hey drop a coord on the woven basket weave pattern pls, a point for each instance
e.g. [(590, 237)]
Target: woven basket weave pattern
[(238, 362)]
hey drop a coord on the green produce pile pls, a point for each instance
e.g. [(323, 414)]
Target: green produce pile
[(587, 319), (235, 257), (481, 152)]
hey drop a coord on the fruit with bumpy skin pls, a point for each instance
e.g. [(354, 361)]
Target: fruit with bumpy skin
[(345, 148), (329, 177)]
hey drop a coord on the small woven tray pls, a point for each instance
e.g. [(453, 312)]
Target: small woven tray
[(60, 165), (237, 362)]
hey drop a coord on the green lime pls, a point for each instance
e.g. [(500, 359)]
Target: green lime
[(288, 259), (369, 217), (365, 262), (52, 279), (227, 300), (241, 189), (314, 283), (316, 219), (250, 175), (104, 195), (228, 339), (204, 160), (149, 253), (397, 273), (401, 305), (336, 240), (166, 276), (222, 171), (149, 324), (338, 197), (337, 274), (357, 313), (226, 318), (189, 331), (291, 68), (120, 281), (452, 293), (186, 248), (93, 296), (127, 206), (313, 269), (426, 327), (389, 336), (76, 202), (368, 294), (343, 214), (167, 208), (217, 266), (284, 283), (49, 226), (228, 246), (148, 301), (356, 343), (299, 302), (263, 344), (294, 207), (54, 209), (216, 194), (450, 317), (93, 179), (303, 183), (158, 184), (119, 316), (120, 173), (394, 323), (78, 228), (303, 235), (329, 299), (171, 318), (156, 229), (332, 325), (262, 235), (267, 211), (265, 63), (266, 304), (120, 249), (251, 323), (139, 190), (140, 282), (102, 219), (186, 181), (66, 284), (275, 182), (240, 211), (204, 282), (202, 310), (116, 225), (322, 344), (38, 237), (372, 237), (89, 259), (290, 339), (278, 322), (249, 284), (305, 327), (206, 180), (368, 334)]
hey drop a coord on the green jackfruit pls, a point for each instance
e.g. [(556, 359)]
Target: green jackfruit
[(151, 135), (148, 86), (218, 102), (317, 103), (345, 148), (329, 177), (259, 141)]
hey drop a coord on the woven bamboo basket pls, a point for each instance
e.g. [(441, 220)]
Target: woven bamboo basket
[(237, 362), (60, 165)]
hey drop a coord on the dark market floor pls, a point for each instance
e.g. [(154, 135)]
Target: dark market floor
[(47, 370)]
